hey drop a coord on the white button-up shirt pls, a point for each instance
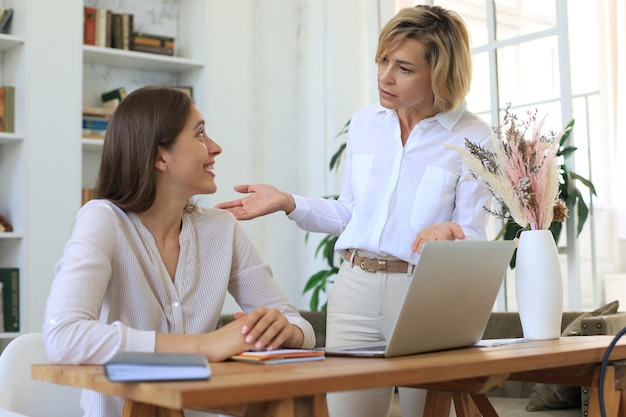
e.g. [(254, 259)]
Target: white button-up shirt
[(390, 192)]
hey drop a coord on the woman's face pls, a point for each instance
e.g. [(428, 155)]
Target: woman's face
[(404, 78), (191, 159)]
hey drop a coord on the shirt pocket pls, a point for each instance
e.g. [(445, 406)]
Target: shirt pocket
[(361, 168), (435, 197)]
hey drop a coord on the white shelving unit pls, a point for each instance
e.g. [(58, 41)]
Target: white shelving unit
[(13, 147), (181, 19), (44, 164)]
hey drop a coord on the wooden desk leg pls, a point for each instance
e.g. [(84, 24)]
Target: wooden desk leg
[(484, 405), (136, 409), (314, 406), (169, 412), (464, 405), (612, 395), (437, 403)]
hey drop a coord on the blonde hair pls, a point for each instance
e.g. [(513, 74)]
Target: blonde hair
[(447, 49)]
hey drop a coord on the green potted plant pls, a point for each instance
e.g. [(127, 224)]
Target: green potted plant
[(318, 283)]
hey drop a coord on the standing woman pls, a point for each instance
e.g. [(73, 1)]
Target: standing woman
[(401, 187), (147, 270)]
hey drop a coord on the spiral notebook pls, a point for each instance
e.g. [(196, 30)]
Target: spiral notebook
[(448, 302)]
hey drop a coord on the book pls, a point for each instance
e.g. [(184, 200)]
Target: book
[(96, 123), (108, 36), (154, 36), (156, 366), (149, 39), (153, 42), (187, 89), (95, 111), (87, 194), (118, 93), (162, 50), (5, 20), (116, 31), (7, 108), (10, 279), (93, 133), (127, 30), (101, 26), (271, 357), (89, 25)]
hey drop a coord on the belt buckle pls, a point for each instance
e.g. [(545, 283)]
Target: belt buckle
[(382, 264)]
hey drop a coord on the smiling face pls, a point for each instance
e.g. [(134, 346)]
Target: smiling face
[(404, 78), (188, 164)]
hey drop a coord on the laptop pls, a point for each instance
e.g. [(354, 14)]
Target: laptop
[(447, 305)]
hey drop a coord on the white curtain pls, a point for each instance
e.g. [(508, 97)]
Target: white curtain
[(613, 43)]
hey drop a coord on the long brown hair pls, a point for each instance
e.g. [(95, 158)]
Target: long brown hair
[(146, 119)]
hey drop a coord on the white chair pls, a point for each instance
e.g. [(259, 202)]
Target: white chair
[(21, 396)]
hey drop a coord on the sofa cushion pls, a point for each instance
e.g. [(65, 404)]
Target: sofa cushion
[(575, 327), (553, 396)]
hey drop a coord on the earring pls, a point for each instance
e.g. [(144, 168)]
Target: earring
[(164, 167)]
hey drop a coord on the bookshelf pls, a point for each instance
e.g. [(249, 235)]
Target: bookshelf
[(45, 164), (13, 148), (105, 69)]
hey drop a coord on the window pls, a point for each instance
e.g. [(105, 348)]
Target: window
[(522, 56)]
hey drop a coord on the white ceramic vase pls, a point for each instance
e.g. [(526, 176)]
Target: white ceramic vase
[(538, 285)]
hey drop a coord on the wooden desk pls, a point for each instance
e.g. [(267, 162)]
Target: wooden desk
[(299, 389)]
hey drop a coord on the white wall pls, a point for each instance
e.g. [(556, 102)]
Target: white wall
[(285, 75), (51, 204)]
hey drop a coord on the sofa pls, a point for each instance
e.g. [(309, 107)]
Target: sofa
[(513, 398)]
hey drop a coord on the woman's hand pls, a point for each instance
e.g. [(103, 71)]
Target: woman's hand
[(268, 329), (262, 329), (263, 199), (440, 231)]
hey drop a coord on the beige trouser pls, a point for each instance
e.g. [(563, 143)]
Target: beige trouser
[(362, 307)]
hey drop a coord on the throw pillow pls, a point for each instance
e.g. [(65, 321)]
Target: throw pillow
[(553, 396)]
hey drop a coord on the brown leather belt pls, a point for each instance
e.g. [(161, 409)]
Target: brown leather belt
[(376, 264)]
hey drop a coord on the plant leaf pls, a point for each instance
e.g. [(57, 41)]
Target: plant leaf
[(336, 158), (585, 181), (317, 279)]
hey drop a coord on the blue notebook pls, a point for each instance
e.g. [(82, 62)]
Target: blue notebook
[(156, 366)]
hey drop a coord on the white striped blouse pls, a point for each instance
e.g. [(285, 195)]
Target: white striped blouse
[(113, 293)]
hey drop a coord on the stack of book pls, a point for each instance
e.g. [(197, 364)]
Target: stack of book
[(272, 357), (105, 28), (156, 44), (96, 118), (95, 121)]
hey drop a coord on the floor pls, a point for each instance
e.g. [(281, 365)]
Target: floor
[(505, 407)]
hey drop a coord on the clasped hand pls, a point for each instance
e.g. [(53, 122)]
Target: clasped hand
[(261, 329)]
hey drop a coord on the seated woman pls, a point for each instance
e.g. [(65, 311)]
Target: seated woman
[(146, 269)]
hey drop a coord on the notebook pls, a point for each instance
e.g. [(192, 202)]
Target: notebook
[(447, 305), (156, 366)]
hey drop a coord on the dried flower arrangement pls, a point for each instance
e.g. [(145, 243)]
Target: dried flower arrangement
[(521, 171)]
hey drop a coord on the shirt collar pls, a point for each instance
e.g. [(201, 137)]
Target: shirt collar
[(447, 119)]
